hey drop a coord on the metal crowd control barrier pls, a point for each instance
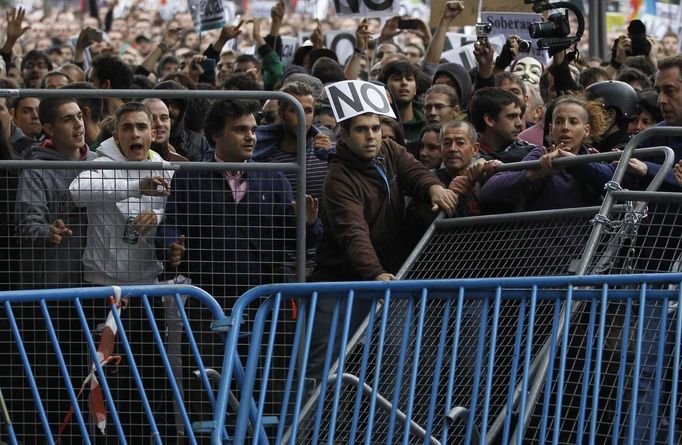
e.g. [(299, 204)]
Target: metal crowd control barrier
[(133, 388), (299, 168), (536, 243), (31, 263), (419, 400)]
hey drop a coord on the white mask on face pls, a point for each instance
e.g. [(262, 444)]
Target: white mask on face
[(528, 70)]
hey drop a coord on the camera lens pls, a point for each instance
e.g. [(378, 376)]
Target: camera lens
[(488, 28), (524, 46), (541, 29)]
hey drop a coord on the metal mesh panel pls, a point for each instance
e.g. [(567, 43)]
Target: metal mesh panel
[(142, 318), (649, 245), (529, 244), (459, 397), (540, 243), (230, 248)]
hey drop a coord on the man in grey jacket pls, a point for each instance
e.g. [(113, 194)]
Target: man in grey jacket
[(50, 226)]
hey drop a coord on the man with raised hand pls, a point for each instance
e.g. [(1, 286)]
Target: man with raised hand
[(363, 205)]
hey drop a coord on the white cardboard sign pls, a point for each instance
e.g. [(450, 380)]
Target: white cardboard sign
[(366, 8), (458, 39), (342, 43), (207, 14), (465, 54), (352, 98), (289, 45)]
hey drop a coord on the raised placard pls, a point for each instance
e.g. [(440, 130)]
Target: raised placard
[(366, 8), (207, 14), (352, 98)]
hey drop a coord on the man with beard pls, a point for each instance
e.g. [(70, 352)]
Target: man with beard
[(278, 142), (441, 104), (161, 124), (400, 78), (34, 67), (187, 143), (363, 215)]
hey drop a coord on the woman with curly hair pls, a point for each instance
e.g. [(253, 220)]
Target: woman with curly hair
[(575, 122)]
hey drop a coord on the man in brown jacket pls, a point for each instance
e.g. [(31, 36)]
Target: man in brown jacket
[(363, 209)]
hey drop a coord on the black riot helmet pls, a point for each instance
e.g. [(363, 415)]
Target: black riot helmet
[(617, 95)]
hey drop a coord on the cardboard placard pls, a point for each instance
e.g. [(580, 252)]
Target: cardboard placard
[(458, 39), (342, 43), (658, 26), (207, 14), (289, 45), (469, 16), (261, 8), (508, 24), (352, 98), (366, 8), (465, 54)]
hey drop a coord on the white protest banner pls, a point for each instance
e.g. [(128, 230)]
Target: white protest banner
[(668, 9), (465, 54), (352, 98), (413, 8), (289, 45), (458, 39), (659, 26), (261, 8), (510, 23), (366, 8), (207, 14), (342, 43), (303, 36)]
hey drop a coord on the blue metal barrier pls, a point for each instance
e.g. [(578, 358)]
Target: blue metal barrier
[(453, 365), (73, 301)]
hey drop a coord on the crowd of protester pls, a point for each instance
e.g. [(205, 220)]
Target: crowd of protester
[(457, 126)]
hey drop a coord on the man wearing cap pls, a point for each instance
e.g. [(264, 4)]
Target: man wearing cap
[(363, 212)]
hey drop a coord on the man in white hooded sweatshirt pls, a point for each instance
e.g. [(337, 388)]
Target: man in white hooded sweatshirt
[(124, 206)]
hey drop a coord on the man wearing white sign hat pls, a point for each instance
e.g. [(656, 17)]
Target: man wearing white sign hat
[(363, 202)]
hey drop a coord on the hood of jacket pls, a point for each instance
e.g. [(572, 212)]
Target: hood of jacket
[(345, 154), (45, 151), (109, 149), (461, 77)]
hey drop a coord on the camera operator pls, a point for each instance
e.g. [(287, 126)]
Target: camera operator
[(512, 47), (627, 47)]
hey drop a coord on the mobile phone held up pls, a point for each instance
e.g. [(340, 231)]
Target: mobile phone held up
[(95, 35), (408, 24)]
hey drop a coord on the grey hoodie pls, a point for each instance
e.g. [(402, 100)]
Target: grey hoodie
[(42, 198)]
